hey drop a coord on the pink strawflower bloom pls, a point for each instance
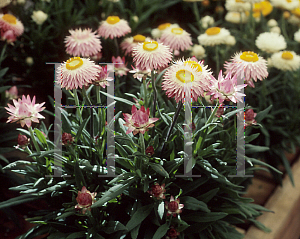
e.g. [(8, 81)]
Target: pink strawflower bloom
[(226, 88), (129, 43), (176, 77), (140, 74), (249, 65), (85, 200), (10, 22), (12, 93), (151, 55), (174, 207), (176, 38), (103, 78), (157, 191), (83, 43), (138, 121), (77, 72), (120, 67), (250, 117), (8, 36), (113, 27), (25, 111)]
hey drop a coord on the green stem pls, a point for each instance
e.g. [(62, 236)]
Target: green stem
[(179, 107), (145, 93), (196, 13), (2, 53), (77, 105), (154, 99), (217, 58), (33, 139), (98, 100), (283, 28), (142, 141)]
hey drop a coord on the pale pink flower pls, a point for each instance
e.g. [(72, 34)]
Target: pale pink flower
[(249, 65), (129, 43), (120, 67), (77, 72), (138, 121), (157, 191), (113, 27), (226, 88), (83, 43), (103, 78), (12, 93), (85, 199), (10, 22), (250, 117), (176, 80), (8, 36), (176, 38), (25, 111), (174, 207), (139, 74), (151, 55)]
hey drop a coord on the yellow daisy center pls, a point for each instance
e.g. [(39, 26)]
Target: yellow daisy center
[(112, 19), (177, 30), (296, 11), (164, 26), (150, 46), (213, 31), (287, 55), (289, 0), (249, 56), (180, 75), (194, 64), (9, 18), (139, 38), (74, 63), (239, 1)]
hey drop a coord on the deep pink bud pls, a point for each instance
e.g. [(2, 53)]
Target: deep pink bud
[(250, 117), (172, 233), (23, 140), (67, 139), (150, 150)]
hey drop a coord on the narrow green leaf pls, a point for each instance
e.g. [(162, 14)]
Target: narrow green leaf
[(260, 225), (41, 137), (159, 169), (161, 231), (194, 204), (204, 217), (139, 216)]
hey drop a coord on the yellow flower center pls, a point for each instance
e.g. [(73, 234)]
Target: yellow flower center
[(9, 18), (164, 26), (296, 11), (74, 63), (213, 31), (249, 56), (287, 55), (289, 0), (139, 38), (150, 45), (194, 64), (177, 30), (112, 19), (239, 1), (180, 75)]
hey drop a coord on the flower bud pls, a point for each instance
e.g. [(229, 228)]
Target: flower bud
[(39, 17), (67, 139), (23, 141), (150, 150)]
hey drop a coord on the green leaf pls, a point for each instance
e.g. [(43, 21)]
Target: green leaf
[(260, 225), (161, 231), (113, 226), (16, 163), (2, 73), (82, 126), (113, 192), (194, 204), (18, 200), (139, 216), (204, 217), (262, 114), (118, 98), (41, 137), (206, 197), (76, 235), (159, 169), (64, 215), (249, 148), (251, 137), (135, 232)]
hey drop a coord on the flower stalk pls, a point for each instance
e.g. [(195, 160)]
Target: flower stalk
[(33, 139)]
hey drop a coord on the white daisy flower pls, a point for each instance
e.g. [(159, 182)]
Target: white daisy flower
[(285, 4), (286, 60), (236, 17), (157, 32), (198, 51), (230, 41), (214, 36), (113, 27), (297, 36), (237, 6), (270, 42), (176, 38), (207, 21), (276, 30), (272, 23)]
